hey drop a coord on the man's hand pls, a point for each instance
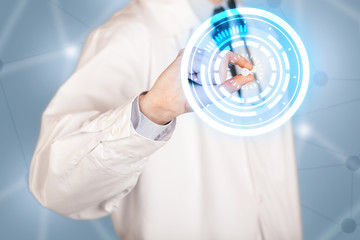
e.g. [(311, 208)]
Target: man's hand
[(166, 100)]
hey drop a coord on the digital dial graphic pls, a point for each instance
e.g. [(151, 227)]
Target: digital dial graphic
[(281, 71)]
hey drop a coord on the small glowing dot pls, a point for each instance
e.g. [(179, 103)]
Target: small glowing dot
[(304, 130), (289, 49), (71, 51), (260, 119), (283, 103), (232, 120)]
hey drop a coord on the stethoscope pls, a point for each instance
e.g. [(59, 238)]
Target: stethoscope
[(219, 26), (241, 22)]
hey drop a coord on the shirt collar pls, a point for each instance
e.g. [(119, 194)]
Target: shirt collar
[(204, 8), (171, 16), (178, 16)]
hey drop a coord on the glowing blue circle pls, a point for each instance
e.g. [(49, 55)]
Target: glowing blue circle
[(282, 75)]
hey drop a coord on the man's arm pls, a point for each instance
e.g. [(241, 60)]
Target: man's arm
[(89, 155)]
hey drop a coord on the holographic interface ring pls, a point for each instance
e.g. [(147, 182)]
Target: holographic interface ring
[(281, 71)]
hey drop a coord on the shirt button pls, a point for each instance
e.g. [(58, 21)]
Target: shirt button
[(115, 131)]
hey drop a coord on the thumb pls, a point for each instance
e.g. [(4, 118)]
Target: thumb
[(235, 83)]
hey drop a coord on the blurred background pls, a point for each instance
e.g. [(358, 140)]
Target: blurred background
[(40, 41)]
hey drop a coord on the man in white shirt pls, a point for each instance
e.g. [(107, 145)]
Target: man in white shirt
[(105, 148)]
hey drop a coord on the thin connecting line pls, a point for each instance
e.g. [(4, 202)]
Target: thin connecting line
[(14, 125), (283, 14), (15, 14), (54, 50), (327, 108), (59, 22), (351, 194), (28, 57), (345, 79), (321, 146), (327, 166), (336, 237), (9, 108), (346, 9), (320, 214), (68, 13), (81, 43), (43, 53), (42, 231)]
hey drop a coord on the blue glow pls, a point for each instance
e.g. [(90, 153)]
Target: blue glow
[(278, 55)]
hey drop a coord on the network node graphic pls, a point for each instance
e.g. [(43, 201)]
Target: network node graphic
[(281, 71)]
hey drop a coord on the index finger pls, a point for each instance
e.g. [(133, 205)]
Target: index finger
[(236, 59)]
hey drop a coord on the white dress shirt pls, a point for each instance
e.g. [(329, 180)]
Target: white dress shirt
[(187, 182)]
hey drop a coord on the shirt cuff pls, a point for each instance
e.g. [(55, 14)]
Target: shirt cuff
[(146, 127)]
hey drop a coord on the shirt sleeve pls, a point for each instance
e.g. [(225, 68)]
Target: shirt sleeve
[(146, 127), (89, 156)]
